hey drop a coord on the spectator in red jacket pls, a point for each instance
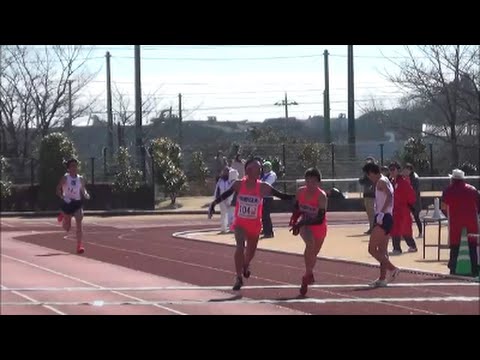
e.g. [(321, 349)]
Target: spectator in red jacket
[(461, 202), (404, 197)]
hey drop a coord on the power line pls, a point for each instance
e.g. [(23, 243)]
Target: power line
[(222, 59)]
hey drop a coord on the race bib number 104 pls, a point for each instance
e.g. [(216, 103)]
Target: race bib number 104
[(247, 211)]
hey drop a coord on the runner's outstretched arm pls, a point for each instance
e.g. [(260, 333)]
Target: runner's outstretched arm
[(274, 192), (296, 213), (222, 197)]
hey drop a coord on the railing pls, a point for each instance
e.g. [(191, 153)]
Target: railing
[(350, 187)]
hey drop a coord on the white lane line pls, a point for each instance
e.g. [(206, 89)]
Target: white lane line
[(258, 301), (97, 287), (247, 287), (29, 298)]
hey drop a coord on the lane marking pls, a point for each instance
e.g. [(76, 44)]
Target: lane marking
[(231, 272), (32, 300), (226, 287), (254, 301), (189, 235), (98, 287)]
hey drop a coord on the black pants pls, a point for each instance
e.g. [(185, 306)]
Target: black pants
[(452, 263), (397, 239), (416, 216), (266, 218)]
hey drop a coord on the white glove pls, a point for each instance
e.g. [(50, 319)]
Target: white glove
[(86, 195), (380, 218), (67, 199)]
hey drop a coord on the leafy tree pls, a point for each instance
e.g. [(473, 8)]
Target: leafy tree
[(5, 185), (54, 150), (167, 158), (198, 169), (415, 153), (313, 154), (127, 178)]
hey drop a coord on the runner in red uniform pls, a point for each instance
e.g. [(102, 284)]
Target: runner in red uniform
[(248, 215), (310, 208)]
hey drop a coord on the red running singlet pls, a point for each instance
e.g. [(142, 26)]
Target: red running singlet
[(309, 208), (248, 209)]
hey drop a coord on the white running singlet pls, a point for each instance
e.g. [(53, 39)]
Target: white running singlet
[(72, 187), (381, 197)]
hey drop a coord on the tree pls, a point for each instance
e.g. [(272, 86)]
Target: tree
[(415, 153), (54, 150), (5, 185), (35, 91), (441, 81), (167, 158), (198, 169), (277, 166), (267, 135), (313, 154), (122, 107), (127, 178)]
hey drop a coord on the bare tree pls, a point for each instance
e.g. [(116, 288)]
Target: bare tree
[(436, 81), (126, 116), (41, 77)]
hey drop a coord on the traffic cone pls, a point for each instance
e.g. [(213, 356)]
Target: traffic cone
[(464, 266)]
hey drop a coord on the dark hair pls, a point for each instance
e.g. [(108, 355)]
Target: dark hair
[(371, 168), (249, 161), (409, 166), (384, 168), (70, 161), (313, 172), (394, 164)]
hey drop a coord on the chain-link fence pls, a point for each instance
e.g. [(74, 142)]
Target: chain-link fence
[(336, 161)]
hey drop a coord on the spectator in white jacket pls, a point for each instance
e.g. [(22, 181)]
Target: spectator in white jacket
[(223, 184)]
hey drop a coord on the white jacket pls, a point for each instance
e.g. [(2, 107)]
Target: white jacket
[(223, 186)]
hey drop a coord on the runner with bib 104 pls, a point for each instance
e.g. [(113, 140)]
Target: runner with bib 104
[(247, 225)]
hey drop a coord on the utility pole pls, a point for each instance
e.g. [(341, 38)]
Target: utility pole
[(285, 103), (180, 120), (138, 105), (478, 123), (68, 122), (326, 102), (2, 140), (351, 105), (109, 110)]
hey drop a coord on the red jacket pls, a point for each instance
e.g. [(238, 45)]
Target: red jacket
[(403, 197)]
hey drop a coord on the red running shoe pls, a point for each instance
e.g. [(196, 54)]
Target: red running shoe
[(80, 249), (306, 280)]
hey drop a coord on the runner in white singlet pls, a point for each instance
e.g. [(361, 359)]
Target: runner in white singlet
[(70, 189), (383, 223)]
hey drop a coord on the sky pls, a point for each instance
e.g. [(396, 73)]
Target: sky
[(243, 82)]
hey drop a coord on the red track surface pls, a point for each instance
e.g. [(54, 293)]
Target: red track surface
[(147, 245)]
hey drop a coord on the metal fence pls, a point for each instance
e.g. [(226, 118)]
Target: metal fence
[(25, 171), (351, 188), (336, 161)]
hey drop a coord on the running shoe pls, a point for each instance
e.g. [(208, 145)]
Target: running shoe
[(378, 283), (393, 275), (306, 280), (238, 283), (246, 272)]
